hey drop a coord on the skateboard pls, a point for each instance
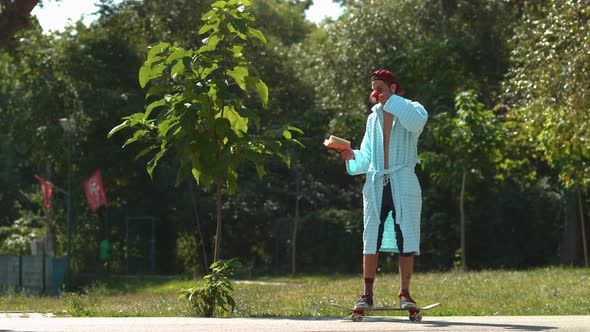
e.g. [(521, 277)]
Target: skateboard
[(415, 315)]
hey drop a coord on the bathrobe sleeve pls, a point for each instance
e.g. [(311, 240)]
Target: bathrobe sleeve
[(362, 157), (410, 114)]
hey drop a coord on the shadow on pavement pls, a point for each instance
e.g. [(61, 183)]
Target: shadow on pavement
[(451, 324), (517, 327)]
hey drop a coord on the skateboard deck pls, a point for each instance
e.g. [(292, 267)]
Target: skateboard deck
[(357, 314)]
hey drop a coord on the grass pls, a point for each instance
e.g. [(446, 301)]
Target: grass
[(483, 293)]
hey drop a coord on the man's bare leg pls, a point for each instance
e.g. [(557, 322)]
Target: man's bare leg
[(369, 270), (406, 268), (370, 265)]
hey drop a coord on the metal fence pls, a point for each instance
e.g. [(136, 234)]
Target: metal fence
[(40, 274)]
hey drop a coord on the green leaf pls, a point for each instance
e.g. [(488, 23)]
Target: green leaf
[(151, 165), (207, 151), (163, 116), (122, 125), (152, 106), (237, 50), (207, 27), (196, 174), (246, 3), (232, 186), (149, 72), (219, 4), (155, 90), (256, 34), (210, 15), (292, 128), (145, 151), (157, 71), (135, 119), (168, 126), (239, 74), (287, 134), (238, 28), (286, 159), (157, 49), (178, 53), (298, 142), (158, 59), (222, 127), (204, 72), (261, 88), (144, 75), (260, 170), (238, 123), (177, 69), (136, 136), (210, 43)]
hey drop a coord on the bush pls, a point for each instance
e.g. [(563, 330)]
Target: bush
[(215, 296)]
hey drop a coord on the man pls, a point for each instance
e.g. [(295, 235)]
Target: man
[(392, 197)]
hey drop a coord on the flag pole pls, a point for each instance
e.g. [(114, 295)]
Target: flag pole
[(68, 127)]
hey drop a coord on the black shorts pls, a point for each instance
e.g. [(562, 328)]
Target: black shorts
[(387, 205)]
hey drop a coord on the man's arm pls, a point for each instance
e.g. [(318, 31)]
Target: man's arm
[(410, 114), (362, 157)]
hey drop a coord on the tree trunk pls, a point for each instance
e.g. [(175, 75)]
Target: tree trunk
[(569, 248), (198, 224), (14, 16), (583, 228), (218, 231), (295, 223), (462, 216)]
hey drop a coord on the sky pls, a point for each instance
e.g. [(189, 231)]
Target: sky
[(55, 16)]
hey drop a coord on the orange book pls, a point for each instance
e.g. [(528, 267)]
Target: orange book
[(336, 142)]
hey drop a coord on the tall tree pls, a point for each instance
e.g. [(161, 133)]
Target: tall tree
[(470, 144), (44, 96), (149, 21), (202, 116), (547, 90)]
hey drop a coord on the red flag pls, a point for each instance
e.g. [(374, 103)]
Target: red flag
[(47, 188), (94, 191)]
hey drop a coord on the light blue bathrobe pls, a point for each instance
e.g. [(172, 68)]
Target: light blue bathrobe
[(408, 122)]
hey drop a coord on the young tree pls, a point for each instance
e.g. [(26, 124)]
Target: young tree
[(469, 144), (198, 108)]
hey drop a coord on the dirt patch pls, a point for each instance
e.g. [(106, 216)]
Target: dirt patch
[(254, 282)]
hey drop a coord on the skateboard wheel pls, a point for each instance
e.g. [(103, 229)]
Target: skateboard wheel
[(415, 316), (356, 317)]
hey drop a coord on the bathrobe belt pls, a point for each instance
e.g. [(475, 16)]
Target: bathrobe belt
[(375, 175)]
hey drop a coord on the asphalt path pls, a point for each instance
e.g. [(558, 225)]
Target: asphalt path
[(39, 323)]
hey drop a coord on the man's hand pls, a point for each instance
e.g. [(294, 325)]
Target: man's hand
[(347, 154)]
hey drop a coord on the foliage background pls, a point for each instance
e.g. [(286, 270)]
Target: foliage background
[(523, 59)]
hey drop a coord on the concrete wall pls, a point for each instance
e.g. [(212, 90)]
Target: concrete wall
[(29, 272)]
